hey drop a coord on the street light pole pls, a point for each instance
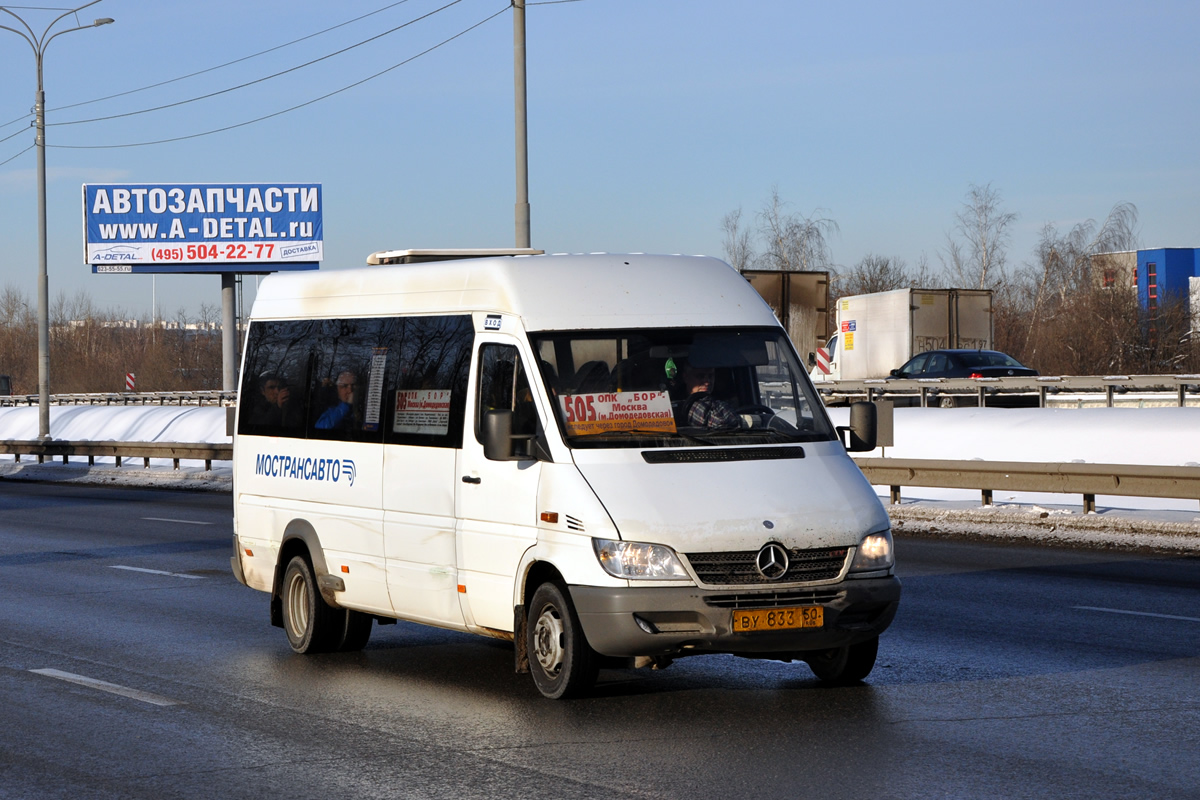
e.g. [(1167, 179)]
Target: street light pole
[(39, 45), (522, 209)]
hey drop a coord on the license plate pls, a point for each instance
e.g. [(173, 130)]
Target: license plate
[(778, 619)]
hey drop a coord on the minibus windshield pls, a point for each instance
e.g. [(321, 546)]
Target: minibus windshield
[(678, 387)]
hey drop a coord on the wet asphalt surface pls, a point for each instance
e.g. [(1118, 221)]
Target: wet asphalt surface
[(1009, 672)]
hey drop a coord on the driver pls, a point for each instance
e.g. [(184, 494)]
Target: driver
[(700, 408)]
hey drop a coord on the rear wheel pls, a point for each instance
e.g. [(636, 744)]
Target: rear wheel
[(560, 659), (312, 626), (356, 632), (843, 666)]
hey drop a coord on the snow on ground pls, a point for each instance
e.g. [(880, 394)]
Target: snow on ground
[(1152, 436), (121, 424)]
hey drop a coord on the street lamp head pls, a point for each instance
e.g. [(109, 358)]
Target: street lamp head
[(103, 21)]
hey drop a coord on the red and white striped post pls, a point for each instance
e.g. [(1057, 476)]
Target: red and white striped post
[(823, 360), (129, 381)]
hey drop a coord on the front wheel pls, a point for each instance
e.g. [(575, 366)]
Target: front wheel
[(563, 664), (845, 666)]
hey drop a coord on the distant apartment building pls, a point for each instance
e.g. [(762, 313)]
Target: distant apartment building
[(1155, 274)]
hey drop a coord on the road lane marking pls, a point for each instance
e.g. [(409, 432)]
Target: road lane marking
[(158, 572), (1135, 613), (105, 686), (180, 521)]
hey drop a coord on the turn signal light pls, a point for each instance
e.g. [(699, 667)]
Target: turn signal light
[(249, 552), (550, 516), (345, 569)]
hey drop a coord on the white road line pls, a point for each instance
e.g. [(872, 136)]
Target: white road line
[(1135, 613), (180, 521), (112, 688), (158, 572)]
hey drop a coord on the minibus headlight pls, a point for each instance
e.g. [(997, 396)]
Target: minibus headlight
[(639, 561), (875, 552)]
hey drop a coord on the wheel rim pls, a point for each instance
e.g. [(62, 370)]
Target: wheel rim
[(298, 605), (548, 641)]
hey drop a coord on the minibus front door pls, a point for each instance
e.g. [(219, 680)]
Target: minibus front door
[(495, 500)]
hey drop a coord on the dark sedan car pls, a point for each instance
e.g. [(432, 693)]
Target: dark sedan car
[(962, 364)]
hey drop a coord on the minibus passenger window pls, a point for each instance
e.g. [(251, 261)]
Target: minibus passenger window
[(273, 393)]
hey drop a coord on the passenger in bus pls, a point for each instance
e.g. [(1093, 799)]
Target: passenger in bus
[(274, 408), (700, 408), (340, 416)]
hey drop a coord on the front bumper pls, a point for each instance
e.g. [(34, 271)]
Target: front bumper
[(669, 621)]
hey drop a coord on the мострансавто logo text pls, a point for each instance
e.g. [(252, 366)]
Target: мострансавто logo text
[(305, 469)]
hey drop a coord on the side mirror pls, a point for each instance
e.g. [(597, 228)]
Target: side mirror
[(497, 436), (812, 360), (500, 443), (863, 428), (895, 373)]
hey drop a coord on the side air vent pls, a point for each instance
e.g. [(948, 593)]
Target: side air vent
[(573, 524), (712, 454)]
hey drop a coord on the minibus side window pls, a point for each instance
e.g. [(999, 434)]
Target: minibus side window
[(426, 392), (273, 396), (349, 365), (503, 385)]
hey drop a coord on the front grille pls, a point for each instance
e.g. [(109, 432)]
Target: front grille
[(798, 597), (737, 568)]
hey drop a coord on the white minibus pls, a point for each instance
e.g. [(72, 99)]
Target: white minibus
[(610, 460)]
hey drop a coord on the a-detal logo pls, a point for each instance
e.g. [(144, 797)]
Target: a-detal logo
[(772, 561)]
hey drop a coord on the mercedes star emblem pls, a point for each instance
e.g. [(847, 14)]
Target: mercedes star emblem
[(772, 561)]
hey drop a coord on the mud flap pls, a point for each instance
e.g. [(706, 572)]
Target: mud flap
[(520, 654)]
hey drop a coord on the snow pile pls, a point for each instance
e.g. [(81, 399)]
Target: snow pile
[(120, 424), (1152, 436)]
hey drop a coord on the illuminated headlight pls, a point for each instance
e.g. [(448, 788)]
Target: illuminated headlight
[(875, 552), (639, 561)]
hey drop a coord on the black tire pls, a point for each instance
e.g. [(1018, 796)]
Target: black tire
[(311, 624), (356, 632), (845, 666), (563, 664)]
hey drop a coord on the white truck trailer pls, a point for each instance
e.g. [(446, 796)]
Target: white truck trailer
[(878, 332)]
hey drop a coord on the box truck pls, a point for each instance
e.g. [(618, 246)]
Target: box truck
[(878, 332)]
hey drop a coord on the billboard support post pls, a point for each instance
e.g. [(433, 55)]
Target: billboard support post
[(229, 333)]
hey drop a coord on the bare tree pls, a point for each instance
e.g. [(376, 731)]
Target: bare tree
[(794, 241), (739, 249), (1057, 315), (976, 249)]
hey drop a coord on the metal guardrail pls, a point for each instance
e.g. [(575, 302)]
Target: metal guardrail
[(992, 388), (1089, 480), (199, 398), (925, 388), (64, 449)]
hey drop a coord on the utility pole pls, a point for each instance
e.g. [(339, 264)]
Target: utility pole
[(523, 238)]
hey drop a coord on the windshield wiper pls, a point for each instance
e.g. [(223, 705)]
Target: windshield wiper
[(656, 433)]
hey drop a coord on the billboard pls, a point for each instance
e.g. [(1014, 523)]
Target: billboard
[(202, 227)]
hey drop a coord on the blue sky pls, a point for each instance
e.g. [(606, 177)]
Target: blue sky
[(649, 120)]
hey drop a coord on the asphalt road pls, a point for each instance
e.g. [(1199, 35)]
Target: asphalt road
[(1010, 672)]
